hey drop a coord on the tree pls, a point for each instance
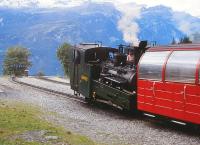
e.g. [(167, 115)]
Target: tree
[(63, 56), (196, 37), (40, 74), (173, 41), (185, 40), (16, 61)]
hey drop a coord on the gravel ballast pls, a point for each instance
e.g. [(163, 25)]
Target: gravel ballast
[(46, 84), (63, 80), (102, 124)]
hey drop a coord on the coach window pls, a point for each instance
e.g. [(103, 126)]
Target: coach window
[(77, 57), (199, 71), (181, 66), (151, 65)]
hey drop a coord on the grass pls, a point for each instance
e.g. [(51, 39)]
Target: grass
[(16, 119)]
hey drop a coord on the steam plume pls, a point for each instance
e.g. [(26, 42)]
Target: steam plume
[(127, 24)]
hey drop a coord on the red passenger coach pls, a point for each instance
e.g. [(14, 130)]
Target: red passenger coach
[(169, 82)]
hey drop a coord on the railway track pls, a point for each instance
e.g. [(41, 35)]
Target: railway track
[(53, 81), (58, 93), (81, 99), (50, 91)]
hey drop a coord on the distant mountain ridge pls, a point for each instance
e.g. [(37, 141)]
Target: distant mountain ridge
[(43, 30), (39, 3)]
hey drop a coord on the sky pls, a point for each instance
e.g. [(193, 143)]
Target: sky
[(189, 6)]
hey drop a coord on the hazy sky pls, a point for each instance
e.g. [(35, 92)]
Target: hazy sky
[(189, 6)]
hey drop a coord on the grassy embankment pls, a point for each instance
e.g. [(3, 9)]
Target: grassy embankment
[(18, 119)]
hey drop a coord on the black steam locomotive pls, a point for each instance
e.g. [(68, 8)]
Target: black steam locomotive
[(104, 73)]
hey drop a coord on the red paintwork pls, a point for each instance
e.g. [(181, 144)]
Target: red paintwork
[(174, 100), (176, 47), (180, 101)]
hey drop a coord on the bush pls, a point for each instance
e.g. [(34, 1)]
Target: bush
[(63, 56), (16, 61)]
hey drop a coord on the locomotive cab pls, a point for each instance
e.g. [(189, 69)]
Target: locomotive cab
[(85, 66)]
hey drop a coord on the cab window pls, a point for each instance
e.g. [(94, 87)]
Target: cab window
[(77, 57)]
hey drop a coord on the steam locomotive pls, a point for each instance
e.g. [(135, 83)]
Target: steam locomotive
[(159, 80)]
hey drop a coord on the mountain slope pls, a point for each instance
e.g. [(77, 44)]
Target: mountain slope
[(43, 30)]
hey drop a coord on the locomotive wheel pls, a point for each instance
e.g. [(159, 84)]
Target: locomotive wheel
[(89, 100), (133, 106)]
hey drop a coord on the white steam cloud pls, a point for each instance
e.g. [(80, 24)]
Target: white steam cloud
[(127, 24)]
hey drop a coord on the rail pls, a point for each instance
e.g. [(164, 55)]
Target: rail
[(53, 81), (50, 91)]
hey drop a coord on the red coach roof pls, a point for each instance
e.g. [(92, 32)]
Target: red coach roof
[(176, 47)]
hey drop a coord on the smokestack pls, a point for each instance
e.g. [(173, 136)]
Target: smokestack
[(140, 50)]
